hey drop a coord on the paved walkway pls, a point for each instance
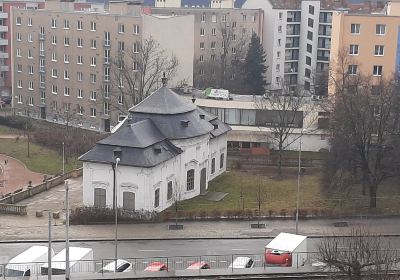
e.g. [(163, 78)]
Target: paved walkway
[(32, 228)]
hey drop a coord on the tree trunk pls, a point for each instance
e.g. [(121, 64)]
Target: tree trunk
[(280, 161), (373, 187)]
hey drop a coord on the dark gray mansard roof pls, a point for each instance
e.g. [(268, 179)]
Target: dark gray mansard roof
[(145, 136)]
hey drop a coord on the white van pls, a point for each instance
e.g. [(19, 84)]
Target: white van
[(242, 262), (28, 262), (122, 265), (80, 260)]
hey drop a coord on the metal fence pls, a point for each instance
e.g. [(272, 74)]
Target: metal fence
[(176, 263)]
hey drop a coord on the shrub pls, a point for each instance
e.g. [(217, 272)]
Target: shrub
[(203, 214), (215, 213), (283, 212), (16, 122), (271, 212), (248, 213), (229, 213)]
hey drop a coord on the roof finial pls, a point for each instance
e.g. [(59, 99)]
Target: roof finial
[(164, 80)]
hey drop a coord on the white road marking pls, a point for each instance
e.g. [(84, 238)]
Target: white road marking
[(240, 249), (151, 250)]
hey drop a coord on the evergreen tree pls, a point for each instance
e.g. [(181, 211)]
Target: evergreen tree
[(255, 67)]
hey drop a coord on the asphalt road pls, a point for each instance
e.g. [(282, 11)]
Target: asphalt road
[(166, 248)]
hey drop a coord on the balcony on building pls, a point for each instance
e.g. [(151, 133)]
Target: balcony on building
[(42, 36), (325, 30), (107, 43), (292, 42), (3, 28), (290, 79), (323, 56), (291, 68), (3, 15), (293, 16), (293, 29), (3, 55), (325, 17), (3, 68), (3, 42), (291, 54), (324, 43)]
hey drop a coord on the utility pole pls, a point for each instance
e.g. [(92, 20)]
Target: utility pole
[(63, 159), (67, 272), (49, 252)]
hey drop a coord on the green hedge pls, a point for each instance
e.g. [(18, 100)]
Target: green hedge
[(16, 122)]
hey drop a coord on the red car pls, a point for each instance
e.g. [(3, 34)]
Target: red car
[(156, 266), (199, 265), (277, 257)]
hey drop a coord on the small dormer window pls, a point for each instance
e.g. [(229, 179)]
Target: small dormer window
[(184, 123), (202, 116), (157, 149), (215, 126)]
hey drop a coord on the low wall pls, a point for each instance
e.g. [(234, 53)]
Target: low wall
[(13, 209), (13, 198)]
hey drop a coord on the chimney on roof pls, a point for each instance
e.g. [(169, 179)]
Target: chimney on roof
[(164, 80), (184, 123)]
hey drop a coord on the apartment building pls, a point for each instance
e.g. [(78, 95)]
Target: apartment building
[(369, 43), (297, 40), (5, 39), (211, 26), (63, 62)]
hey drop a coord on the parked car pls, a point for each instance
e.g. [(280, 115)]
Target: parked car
[(122, 265), (156, 266), (6, 99), (279, 258), (242, 262), (198, 265)]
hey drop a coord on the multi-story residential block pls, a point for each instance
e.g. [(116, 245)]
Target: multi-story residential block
[(367, 43), (64, 62), (5, 39), (297, 40), (220, 36)]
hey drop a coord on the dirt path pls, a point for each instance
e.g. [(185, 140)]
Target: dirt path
[(15, 175)]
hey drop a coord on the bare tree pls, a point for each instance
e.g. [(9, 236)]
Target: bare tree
[(361, 255), (287, 109), (136, 72), (364, 129)]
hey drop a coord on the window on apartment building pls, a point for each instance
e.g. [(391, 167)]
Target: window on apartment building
[(18, 52), (93, 44), (379, 49), (213, 57), (233, 50), (30, 69), (190, 180), (66, 75), (42, 80), (93, 95), (54, 89), (19, 68), (53, 39), (30, 101), (308, 60), (93, 78), (355, 28), (223, 18), (201, 59), (54, 105), (53, 56), (53, 23), (106, 38), (79, 25), (156, 198), (30, 40), (120, 99), (309, 48), (352, 69), (19, 84), (79, 59), (106, 74), (213, 18), (41, 32), (213, 32), (135, 66), (106, 90), (19, 99), (169, 190), (212, 165), (202, 32), (106, 56), (377, 70), (307, 85), (278, 68), (136, 29), (92, 61), (29, 21), (221, 160), (79, 110), (279, 42), (30, 55), (121, 46), (203, 18), (18, 35), (80, 93), (310, 22), (66, 58), (66, 91), (66, 24), (244, 17), (79, 43), (380, 29), (353, 50), (121, 28), (234, 37), (309, 35), (201, 71), (253, 18), (307, 73), (42, 96), (67, 106), (54, 73), (18, 21), (106, 108), (92, 26), (280, 28), (93, 112), (121, 82), (66, 41), (280, 15), (202, 45), (79, 76), (311, 9), (213, 44), (136, 47)]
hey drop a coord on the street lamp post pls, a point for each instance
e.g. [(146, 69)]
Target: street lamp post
[(298, 183), (49, 252), (117, 159), (67, 271)]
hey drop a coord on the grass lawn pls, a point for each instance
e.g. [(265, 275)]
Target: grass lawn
[(281, 194), (9, 130), (41, 159)]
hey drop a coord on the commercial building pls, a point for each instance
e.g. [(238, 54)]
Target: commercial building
[(63, 61)]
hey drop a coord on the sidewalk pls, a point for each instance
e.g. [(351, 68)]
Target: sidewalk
[(13, 228)]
